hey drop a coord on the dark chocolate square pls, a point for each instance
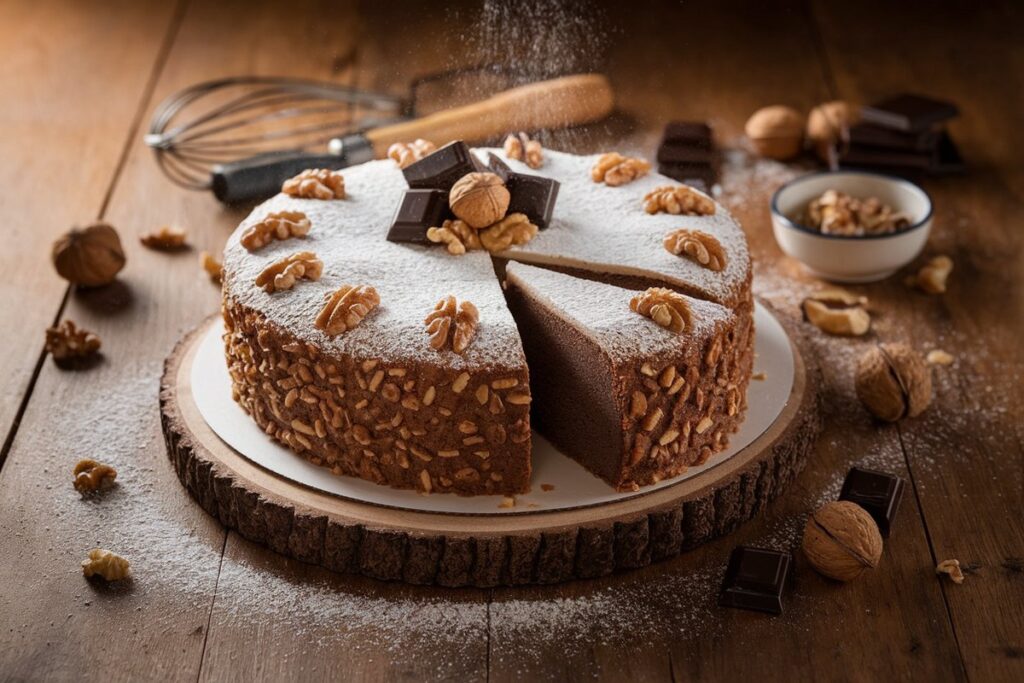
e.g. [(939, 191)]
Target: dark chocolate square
[(418, 210), (862, 156), (909, 112), (879, 493), (531, 194), (442, 169), (689, 133), (670, 153), (755, 579), (947, 156), (870, 135)]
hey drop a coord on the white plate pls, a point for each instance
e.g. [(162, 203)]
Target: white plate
[(573, 485)]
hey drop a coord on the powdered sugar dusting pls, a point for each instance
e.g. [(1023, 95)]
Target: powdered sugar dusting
[(598, 227), (602, 312)]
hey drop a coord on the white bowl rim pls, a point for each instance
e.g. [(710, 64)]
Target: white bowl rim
[(789, 223)]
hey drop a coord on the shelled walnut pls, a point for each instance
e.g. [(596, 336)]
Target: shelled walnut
[(479, 199), (665, 307), (679, 199), (346, 307), (316, 183), (92, 476), (841, 540), (405, 153), (212, 267), (893, 382), (513, 229), (521, 147), (932, 276), (838, 312), (67, 343), (283, 274), (89, 256), (951, 568), (457, 235), (837, 213), (166, 238), (452, 324), (105, 564), (697, 246), (280, 225), (613, 169)]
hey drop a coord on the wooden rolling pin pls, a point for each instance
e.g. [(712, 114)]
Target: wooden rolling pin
[(557, 103)]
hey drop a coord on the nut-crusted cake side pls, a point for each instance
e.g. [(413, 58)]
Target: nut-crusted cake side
[(633, 402)]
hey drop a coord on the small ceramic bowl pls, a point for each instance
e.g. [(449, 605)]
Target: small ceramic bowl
[(849, 258)]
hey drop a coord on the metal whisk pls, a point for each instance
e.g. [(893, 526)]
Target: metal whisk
[(231, 119)]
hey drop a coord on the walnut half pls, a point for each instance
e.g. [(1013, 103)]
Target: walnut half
[(933, 275), (453, 322), (513, 229), (106, 565), (680, 199), (92, 476), (316, 183), (521, 147), (405, 153), (280, 225), (283, 274), (697, 246), (346, 307), (67, 342), (665, 307), (457, 235), (613, 169)]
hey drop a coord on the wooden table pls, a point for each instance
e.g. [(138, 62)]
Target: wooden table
[(80, 80)]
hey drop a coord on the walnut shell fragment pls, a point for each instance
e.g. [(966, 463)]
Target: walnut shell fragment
[(479, 199), (89, 256), (841, 541), (838, 312), (893, 381)]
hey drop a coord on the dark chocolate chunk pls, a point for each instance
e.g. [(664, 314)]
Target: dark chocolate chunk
[(684, 154), (442, 169), (862, 156), (870, 135), (910, 113), (877, 492), (418, 210), (700, 176), (531, 194), (947, 156), (755, 579), (688, 133)]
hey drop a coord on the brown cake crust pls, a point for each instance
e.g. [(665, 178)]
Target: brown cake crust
[(415, 426)]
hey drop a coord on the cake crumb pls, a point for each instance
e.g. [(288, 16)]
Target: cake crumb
[(759, 376), (507, 502), (547, 487)]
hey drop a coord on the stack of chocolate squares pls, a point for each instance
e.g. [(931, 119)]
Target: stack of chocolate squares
[(901, 134), (687, 154)]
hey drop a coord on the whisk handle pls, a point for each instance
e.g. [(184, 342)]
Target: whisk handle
[(555, 103), (261, 176)]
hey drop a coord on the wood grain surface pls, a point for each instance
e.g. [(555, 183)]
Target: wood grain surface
[(207, 604)]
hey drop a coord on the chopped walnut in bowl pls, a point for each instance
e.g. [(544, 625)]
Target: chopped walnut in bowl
[(851, 226)]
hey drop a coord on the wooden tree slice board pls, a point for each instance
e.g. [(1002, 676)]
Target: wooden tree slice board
[(447, 549)]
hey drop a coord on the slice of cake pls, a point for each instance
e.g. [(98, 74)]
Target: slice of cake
[(632, 401)]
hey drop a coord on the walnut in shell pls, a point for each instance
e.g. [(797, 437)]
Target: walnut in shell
[(838, 312), (828, 126), (841, 540), (479, 199), (894, 382), (89, 256), (776, 132)]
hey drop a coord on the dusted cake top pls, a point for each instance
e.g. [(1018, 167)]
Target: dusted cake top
[(602, 313), (594, 227)]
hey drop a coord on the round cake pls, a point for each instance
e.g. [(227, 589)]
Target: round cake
[(624, 328)]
